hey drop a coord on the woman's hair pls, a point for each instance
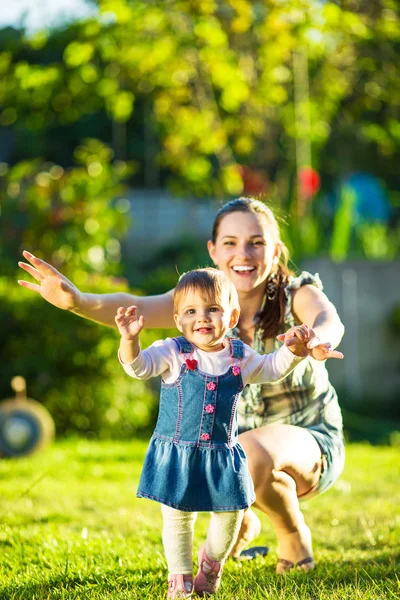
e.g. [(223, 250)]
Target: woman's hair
[(271, 317), (210, 283)]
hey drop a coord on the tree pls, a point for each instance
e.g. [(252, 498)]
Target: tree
[(214, 82)]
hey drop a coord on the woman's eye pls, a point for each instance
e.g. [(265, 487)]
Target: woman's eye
[(228, 243), (258, 243)]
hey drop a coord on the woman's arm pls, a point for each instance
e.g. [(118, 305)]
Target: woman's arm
[(59, 291), (157, 310), (311, 306)]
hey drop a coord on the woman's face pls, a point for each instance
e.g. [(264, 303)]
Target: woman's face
[(244, 249)]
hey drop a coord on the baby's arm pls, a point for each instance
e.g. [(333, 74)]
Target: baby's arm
[(129, 327), (266, 368), (299, 342), (160, 358)]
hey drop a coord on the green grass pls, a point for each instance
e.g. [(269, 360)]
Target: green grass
[(71, 527)]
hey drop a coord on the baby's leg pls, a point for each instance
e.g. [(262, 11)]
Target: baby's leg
[(177, 536), (222, 533)]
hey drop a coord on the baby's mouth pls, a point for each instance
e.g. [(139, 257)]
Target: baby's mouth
[(203, 330)]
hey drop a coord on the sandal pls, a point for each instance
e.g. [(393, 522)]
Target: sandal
[(208, 578), (288, 565)]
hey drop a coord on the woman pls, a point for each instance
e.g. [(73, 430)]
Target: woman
[(291, 431)]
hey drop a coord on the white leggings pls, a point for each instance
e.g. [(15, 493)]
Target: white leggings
[(177, 536)]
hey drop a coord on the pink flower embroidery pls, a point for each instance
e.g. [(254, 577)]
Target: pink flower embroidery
[(209, 408), (211, 386), (236, 370), (205, 437)]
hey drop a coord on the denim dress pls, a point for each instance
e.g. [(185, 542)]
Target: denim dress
[(194, 461)]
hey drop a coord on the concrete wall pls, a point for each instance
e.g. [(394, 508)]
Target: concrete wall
[(159, 218), (365, 294)]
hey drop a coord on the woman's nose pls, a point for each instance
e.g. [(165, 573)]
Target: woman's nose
[(243, 250)]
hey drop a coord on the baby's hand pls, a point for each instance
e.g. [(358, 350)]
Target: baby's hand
[(302, 341), (127, 322), (296, 339)]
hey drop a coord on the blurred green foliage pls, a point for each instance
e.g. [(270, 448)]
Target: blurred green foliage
[(395, 319), (70, 218), (343, 224)]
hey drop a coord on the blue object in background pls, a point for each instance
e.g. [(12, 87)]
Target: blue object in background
[(20, 432), (372, 204)]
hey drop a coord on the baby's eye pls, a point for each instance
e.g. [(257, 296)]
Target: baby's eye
[(190, 311), (214, 309)]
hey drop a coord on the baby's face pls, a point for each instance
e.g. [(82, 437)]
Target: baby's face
[(205, 321)]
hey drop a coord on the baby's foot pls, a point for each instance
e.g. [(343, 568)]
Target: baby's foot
[(249, 530), (295, 550), (180, 586), (208, 578)]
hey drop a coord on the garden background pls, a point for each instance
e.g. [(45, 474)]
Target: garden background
[(122, 132)]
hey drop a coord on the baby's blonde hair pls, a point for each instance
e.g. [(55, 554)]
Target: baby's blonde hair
[(211, 283)]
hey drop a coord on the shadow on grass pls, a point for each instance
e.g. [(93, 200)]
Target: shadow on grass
[(362, 572)]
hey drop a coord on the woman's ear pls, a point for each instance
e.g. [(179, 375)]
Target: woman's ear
[(277, 254), (211, 251), (178, 323), (234, 318)]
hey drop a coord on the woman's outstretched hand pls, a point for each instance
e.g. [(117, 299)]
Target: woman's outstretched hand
[(303, 341), (52, 286)]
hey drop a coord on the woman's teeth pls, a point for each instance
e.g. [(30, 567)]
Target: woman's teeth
[(243, 269)]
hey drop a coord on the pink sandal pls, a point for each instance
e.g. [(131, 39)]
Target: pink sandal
[(208, 578), (180, 586)]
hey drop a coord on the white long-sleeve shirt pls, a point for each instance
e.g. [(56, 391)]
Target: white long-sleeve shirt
[(163, 358)]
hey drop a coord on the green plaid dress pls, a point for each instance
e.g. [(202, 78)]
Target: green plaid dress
[(305, 397)]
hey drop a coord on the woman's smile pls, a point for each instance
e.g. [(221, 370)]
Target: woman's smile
[(243, 270), (245, 273)]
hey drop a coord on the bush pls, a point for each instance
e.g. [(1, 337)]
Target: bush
[(74, 218)]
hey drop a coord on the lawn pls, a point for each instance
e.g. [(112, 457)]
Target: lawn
[(72, 528)]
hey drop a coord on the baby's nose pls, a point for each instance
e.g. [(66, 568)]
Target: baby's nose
[(203, 317)]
